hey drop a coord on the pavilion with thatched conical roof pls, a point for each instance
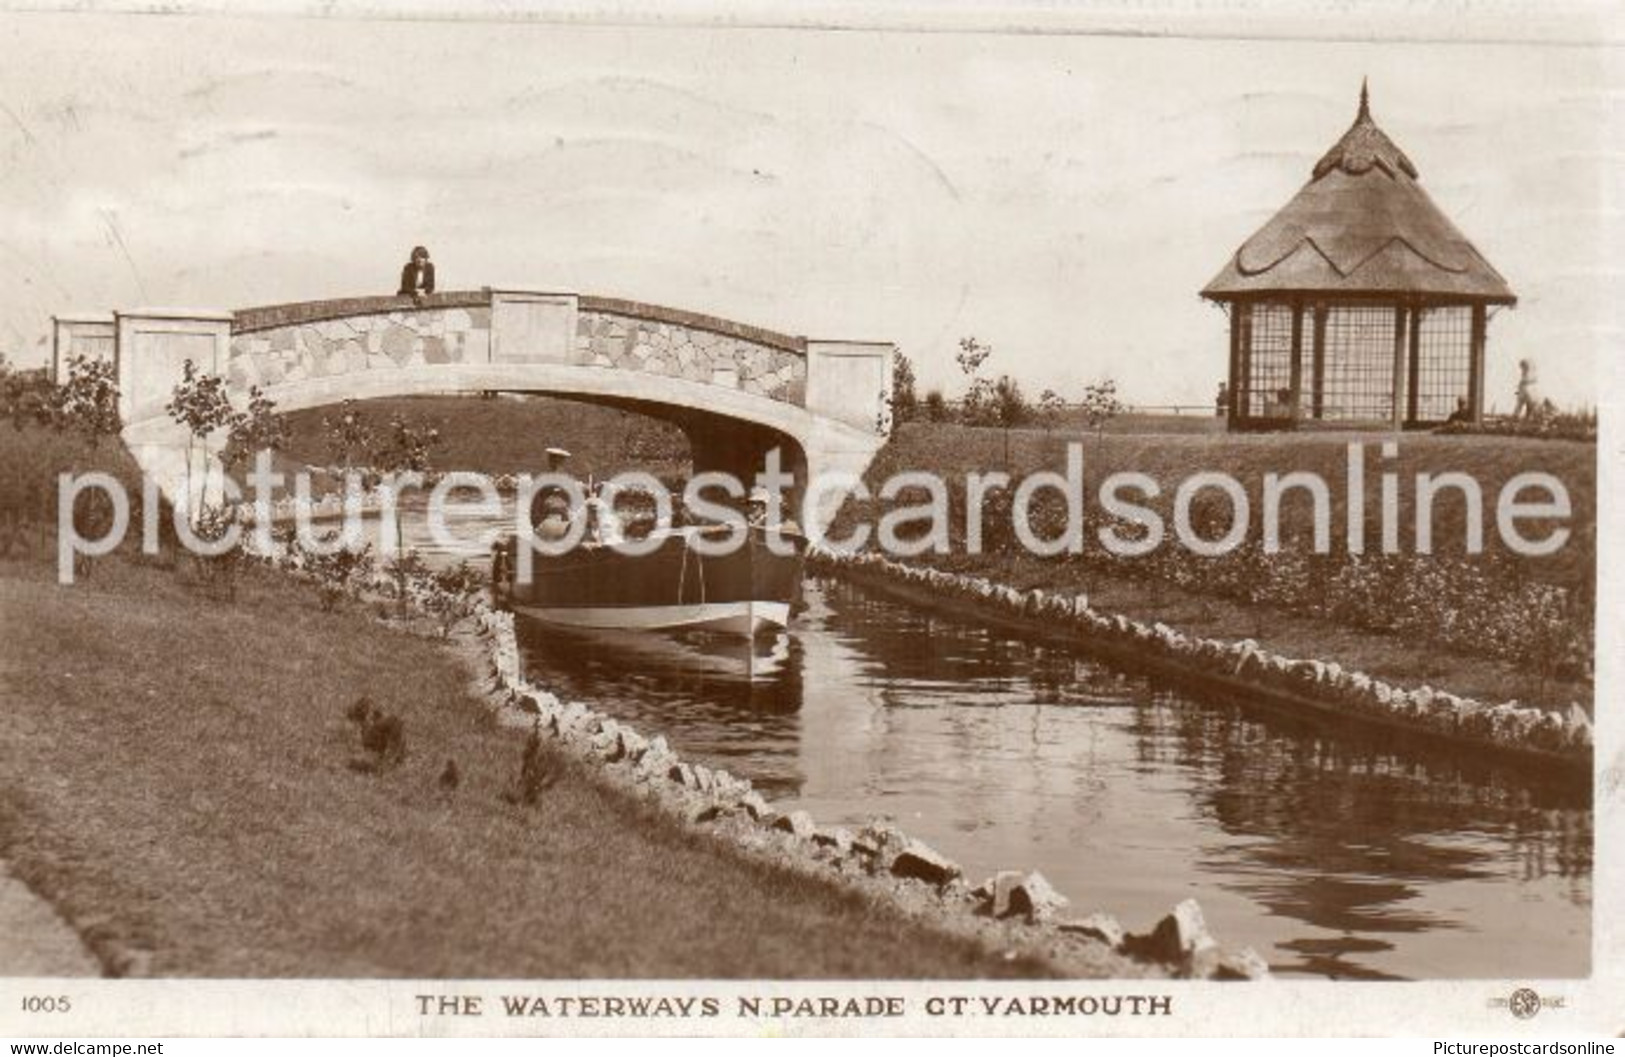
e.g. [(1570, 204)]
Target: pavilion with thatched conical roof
[(1359, 302)]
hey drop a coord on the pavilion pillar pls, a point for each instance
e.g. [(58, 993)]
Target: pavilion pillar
[(1318, 371), (1295, 381), (1233, 401), (1244, 361), (1413, 386), (1475, 365), (1399, 367)]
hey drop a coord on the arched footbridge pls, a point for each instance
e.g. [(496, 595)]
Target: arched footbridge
[(737, 391)]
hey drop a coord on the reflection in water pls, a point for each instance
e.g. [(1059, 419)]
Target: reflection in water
[(1353, 839), (714, 698), (1342, 858)]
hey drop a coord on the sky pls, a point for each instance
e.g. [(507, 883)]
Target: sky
[(1062, 198)]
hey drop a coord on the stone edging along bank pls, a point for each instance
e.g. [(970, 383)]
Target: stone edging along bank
[(1239, 670), (1011, 908)]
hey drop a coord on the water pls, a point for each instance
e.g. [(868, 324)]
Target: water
[(1341, 858)]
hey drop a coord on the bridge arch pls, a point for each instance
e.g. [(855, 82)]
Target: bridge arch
[(735, 389)]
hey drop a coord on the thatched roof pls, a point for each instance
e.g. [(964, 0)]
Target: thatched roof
[(1361, 225)]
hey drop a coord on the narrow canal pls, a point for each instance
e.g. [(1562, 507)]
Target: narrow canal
[(1333, 857)]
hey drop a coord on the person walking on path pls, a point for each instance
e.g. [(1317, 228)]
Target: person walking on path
[(1528, 403)]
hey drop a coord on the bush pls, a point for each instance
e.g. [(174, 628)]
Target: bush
[(336, 574), (904, 402), (1009, 403), (449, 595), (534, 773), (25, 396), (218, 572), (383, 737), (1562, 425)]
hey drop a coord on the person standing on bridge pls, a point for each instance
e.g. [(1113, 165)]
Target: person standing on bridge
[(417, 278)]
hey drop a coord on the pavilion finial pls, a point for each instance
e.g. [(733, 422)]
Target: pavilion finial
[(1365, 145)]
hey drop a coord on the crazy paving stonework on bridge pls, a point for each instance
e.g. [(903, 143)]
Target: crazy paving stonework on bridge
[(357, 343), (604, 339), (266, 350), (736, 390)]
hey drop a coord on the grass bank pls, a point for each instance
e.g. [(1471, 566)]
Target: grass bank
[(176, 779)]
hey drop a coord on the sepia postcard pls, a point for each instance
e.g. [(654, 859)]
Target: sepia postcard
[(825, 519)]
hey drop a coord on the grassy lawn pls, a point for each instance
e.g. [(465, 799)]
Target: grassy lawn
[(509, 435), (175, 778)]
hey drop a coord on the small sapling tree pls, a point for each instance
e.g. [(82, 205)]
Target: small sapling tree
[(200, 404), (971, 355), (1051, 408), (251, 431), (348, 434), (1009, 408), (978, 407), (403, 447), (1100, 404)]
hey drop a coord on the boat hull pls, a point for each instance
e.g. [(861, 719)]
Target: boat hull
[(747, 591), (729, 618)]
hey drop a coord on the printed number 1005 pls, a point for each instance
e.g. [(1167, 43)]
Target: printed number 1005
[(46, 1004)]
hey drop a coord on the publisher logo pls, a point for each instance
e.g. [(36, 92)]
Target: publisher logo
[(1524, 1003)]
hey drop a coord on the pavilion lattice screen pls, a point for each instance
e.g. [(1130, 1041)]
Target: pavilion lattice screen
[(1359, 365), (1351, 379), (1269, 361), (1443, 356)]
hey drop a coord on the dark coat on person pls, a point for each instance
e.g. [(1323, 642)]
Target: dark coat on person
[(409, 278)]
